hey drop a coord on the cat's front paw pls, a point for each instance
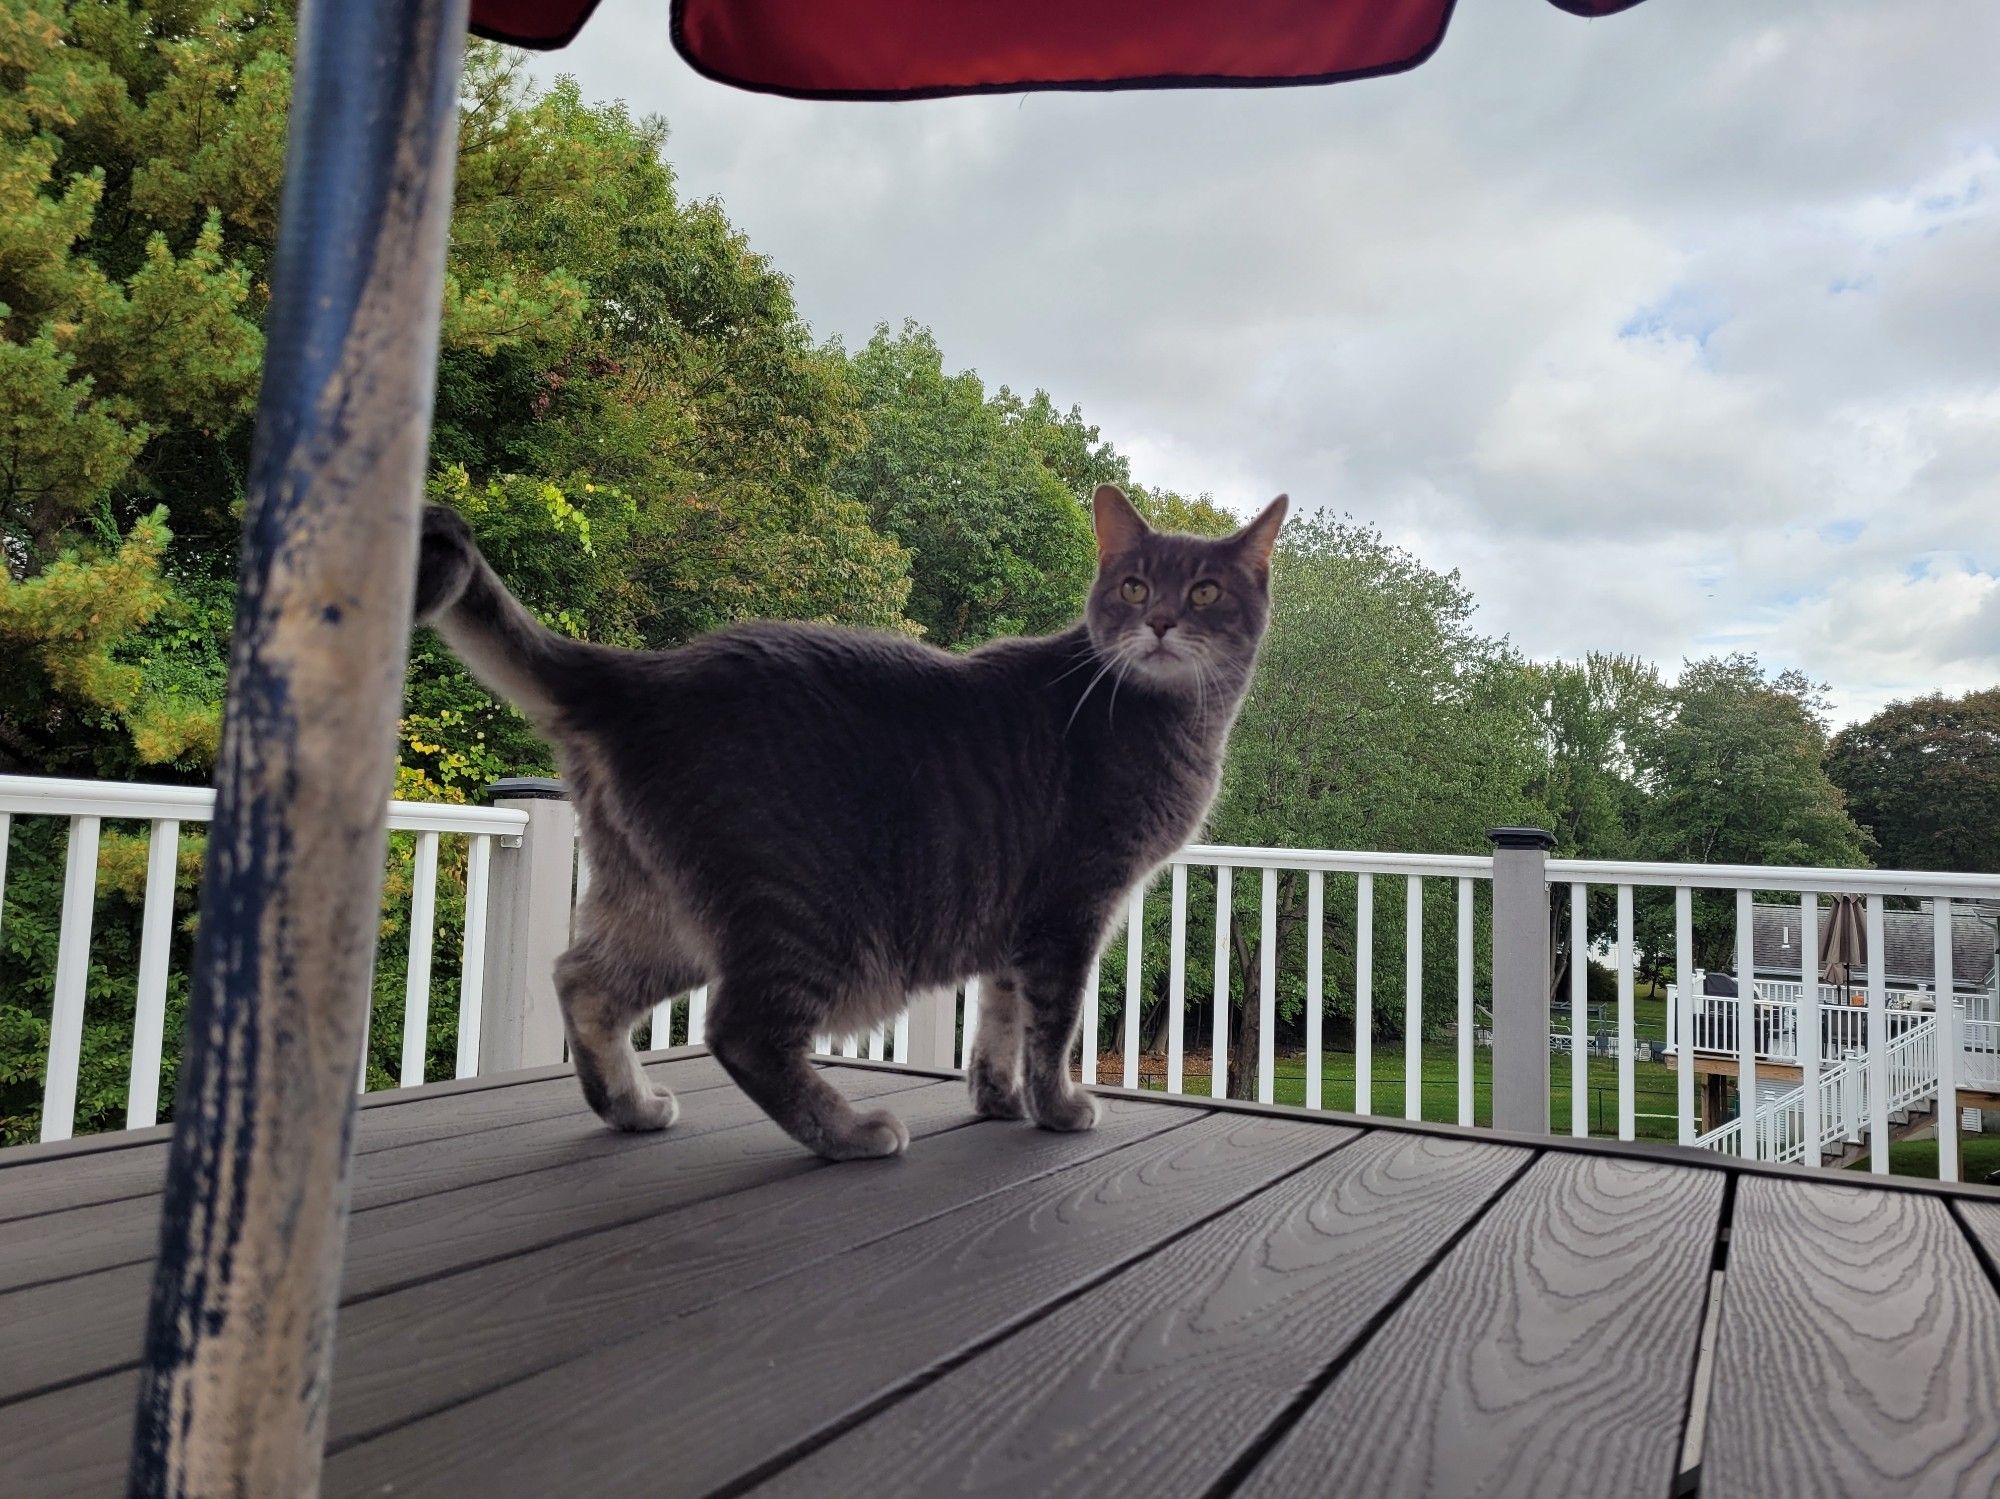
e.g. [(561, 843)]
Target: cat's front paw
[(643, 1113), (871, 1136), (1070, 1112)]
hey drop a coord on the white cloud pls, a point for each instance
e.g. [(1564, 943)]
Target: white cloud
[(1674, 332)]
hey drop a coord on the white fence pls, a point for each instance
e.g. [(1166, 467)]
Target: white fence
[(1488, 928), (87, 805)]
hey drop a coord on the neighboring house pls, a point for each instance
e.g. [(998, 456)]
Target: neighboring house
[(1909, 938)]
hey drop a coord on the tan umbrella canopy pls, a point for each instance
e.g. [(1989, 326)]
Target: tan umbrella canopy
[(1843, 941)]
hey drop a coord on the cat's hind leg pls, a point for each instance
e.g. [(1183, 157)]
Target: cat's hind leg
[(603, 996), (993, 1075), (762, 1043)]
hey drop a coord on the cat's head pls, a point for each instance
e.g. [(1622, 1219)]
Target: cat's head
[(1179, 613)]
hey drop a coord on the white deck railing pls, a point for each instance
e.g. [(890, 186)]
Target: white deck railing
[(87, 805), (1175, 952)]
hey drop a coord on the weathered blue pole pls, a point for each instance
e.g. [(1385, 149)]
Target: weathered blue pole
[(239, 1339)]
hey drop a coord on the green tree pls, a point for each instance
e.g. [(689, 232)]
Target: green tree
[(1734, 770), (998, 539), (1923, 777)]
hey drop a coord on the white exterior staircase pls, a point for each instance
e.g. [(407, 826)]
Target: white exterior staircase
[(1912, 1063)]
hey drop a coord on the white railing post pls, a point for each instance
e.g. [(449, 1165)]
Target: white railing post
[(1521, 979), (932, 1030), (528, 928)]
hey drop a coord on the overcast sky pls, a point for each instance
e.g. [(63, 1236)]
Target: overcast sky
[(1675, 332)]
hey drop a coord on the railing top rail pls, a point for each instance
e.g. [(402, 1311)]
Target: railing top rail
[(1339, 861), (54, 796), (1911, 882)]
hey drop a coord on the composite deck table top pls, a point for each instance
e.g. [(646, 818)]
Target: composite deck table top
[(1194, 1298)]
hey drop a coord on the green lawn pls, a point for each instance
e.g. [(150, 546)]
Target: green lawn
[(1653, 1083), (1978, 1158)]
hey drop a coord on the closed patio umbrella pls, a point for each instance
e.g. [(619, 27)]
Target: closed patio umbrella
[(1843, 942)]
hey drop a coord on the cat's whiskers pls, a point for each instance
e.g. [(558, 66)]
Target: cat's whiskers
[(1086, 694), (1124, 664), (1083, 659)]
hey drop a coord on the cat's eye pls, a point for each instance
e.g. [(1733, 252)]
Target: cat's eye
[(1204, 594), (1133, 591)]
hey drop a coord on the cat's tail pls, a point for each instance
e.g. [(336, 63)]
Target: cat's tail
[(510, 651)]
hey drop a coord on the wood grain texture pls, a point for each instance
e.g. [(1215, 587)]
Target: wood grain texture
[(1549, 1353), (1158, 1381), (89, 1324), (445, 1341), (69, 1443), (55, 1186), (58, 1245), (1982, 1223), (1858, 1351), (755, 1373)]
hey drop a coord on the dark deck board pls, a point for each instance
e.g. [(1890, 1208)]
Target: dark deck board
[(1158, 1381), (77, 1241), (750, 1376), (1858, 1351), (88, 1324), (1549, 1353), (1192, 1298), (402, 1117), (484, 1328)]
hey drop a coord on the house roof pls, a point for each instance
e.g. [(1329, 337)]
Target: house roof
[(1907, 935)]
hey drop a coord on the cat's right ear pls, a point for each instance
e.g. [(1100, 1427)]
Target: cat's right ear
[(1119, 527)]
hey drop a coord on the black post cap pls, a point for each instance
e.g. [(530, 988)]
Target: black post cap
[(528, 789), (1522, 838)]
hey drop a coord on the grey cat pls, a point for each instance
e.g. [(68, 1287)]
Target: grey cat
[(819, 822)]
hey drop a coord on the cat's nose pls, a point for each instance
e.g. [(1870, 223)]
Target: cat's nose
[(1161, 623)]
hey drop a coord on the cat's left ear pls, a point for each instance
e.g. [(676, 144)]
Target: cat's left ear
[(1119, 526), (1257, 539)]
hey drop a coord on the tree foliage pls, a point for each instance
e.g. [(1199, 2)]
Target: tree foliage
[(1923, 778)]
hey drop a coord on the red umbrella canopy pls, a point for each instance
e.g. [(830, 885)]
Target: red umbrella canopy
[(913, 49)]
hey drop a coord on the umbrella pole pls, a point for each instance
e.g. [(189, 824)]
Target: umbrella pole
[(239, 1338)]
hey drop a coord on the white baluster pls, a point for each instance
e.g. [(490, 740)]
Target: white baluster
[(417, 978), (1684, 1003), (1218, 1045), (1364, 993), (1135, 947), (1177, 983), (1627, 1003), (1267, 991), (1945, 1035), (472, 962), (1878, 1043), (72, 979), (1579, 1004), (149, 1019), (1315, 984), (1413, 999)]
